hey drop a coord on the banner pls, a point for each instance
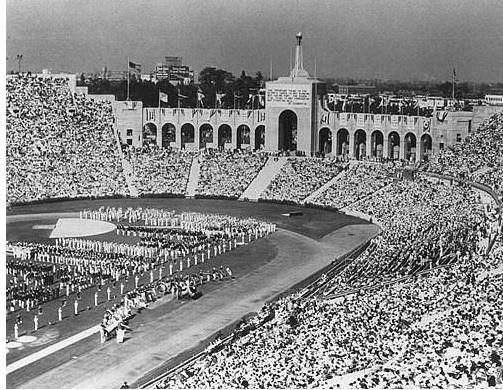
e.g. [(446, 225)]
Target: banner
[(426, 125), (378, 121), (394, 121), (410, 123), (360, 120), (343, 119)]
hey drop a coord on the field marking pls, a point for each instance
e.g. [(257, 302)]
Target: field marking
[(51, 349)]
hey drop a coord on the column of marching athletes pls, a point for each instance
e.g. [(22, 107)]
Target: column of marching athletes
[(167, 244)]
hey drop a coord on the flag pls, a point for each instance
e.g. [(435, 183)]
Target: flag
[(219, 97), (261, 101), (135, 67), (163, 97), (200, 97)]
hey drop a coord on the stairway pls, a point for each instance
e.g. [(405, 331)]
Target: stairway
[(190, 192), (127, 169), (130, 178), (328, 184), (263, 178)]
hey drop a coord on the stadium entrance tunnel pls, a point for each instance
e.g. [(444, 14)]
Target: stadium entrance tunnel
[(410, 147), (205, 135), (149, 134), (376, 144), (259, 137), (360, 144), (342, 142), (325, 140), (168, 135), (224, 135), (287, 131), (243, 137), (394, 145), (187, 134), (425, 146)]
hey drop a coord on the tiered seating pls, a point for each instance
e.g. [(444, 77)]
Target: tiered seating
[(359, 181), (160, 171), (228, 173), (300, 177), (438, 330), (480, 151), (59, 145)]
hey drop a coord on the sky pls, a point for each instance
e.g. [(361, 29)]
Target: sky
[(385, 39)]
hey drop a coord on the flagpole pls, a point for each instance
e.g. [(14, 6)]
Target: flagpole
[(127, 98), (453, 80)]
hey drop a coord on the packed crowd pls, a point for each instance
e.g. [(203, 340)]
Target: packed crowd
[(300, 177), (228, 173), (59, 144), (424, 225), (160, 171), (435, 330), (479, 157), (356, 183)]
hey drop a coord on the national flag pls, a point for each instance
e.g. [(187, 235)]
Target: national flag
[(134, 66), (200, 96), (262, 101), (163, 97), (219, 97)]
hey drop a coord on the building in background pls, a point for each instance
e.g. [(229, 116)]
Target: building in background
[(356, 89), (494, 100), (173, 69)]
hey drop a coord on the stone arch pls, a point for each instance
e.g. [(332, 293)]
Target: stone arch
[(149, 134), (394, 145), (360, 146), (168, 135), (426, 146), (376, 144), (410, 146), (205, 135), (224, 135), (325, 140), (342, 142), (188, 134), (287, 131), (243, 136), (259, 137)]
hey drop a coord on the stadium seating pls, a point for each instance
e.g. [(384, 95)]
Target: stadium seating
[(420, 307), (59, 144), (228, 173), (300, 177), (160, 171)]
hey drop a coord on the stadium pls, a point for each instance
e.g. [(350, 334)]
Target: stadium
[(292, 258)]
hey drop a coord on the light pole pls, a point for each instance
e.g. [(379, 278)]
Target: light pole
[(19, 59)]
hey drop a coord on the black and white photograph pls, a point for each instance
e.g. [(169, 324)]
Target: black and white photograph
[(267, 194)]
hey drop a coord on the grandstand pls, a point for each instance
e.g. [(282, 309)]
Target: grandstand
[(418, 304)]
